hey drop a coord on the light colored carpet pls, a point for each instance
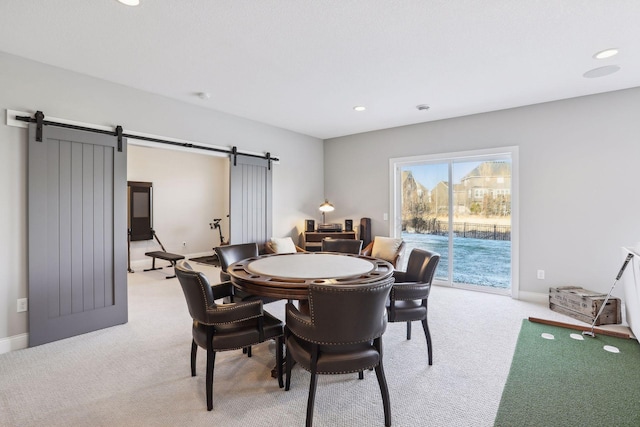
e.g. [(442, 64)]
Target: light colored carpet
[(138, 373)]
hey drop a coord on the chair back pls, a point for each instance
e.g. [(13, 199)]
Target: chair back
[(345, 246), (197, 291), (348, 314), (394, 258), (421, 266), (229, 254)]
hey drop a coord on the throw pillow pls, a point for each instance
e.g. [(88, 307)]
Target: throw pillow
[(385, 248), (283, 245)]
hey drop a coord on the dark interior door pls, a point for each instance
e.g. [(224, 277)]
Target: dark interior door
[(77, 229)]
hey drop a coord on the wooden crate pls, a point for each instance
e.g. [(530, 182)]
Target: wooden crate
[(584, 305)]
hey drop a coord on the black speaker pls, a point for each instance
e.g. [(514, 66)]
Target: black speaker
[(310, 225), (348, 225), (365, 231)]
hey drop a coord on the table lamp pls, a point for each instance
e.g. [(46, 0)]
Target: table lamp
[(326, 207)]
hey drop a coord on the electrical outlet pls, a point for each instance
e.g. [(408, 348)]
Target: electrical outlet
[(22, 305), (541, 274), (385, 217)]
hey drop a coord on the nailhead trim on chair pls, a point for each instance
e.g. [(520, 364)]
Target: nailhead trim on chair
[(343, 372), (204, 294), (222, 307), (413, 286), (302, 320), (342, 343), (338, 290)]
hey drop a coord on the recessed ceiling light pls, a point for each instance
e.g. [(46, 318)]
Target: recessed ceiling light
[(359, 108), (130, 2), (607, 53), (601, 71)]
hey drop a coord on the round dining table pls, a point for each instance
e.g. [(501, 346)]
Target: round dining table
[(288, 276)]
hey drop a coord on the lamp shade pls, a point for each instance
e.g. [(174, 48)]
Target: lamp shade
[(326, 206)]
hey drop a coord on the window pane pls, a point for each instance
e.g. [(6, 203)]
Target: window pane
[(425, 212), (482, 223)]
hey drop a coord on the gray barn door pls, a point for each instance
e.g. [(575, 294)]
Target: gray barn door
[(250, 216), (77, 233)]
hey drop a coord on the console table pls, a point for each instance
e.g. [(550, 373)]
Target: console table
[(313, 239)]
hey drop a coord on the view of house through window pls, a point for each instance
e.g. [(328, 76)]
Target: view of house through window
[(462, 209)]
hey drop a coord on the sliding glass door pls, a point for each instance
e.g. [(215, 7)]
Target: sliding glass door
[(461, 206)]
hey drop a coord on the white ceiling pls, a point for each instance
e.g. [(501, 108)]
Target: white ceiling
[(304, 64)]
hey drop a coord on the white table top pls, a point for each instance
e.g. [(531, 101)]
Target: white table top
[(311, 266)]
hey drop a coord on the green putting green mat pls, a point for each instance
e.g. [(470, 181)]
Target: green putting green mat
[(558, 380)]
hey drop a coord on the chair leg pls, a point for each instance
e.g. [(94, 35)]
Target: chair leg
[(427, 334), (360, 375), (312, 397), (289, 362), (313, 384), (384, 389), (279, 345), (194, 351), (386, 404), (408, 330), (249, 351), (211, 358)]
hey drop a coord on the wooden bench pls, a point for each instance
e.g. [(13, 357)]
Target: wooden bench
[(167, 256)]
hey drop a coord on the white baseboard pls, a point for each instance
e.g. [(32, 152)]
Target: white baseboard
[(16, 342), (533, 297)]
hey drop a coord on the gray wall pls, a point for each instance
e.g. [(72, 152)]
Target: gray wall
[(29, 86), (579, 162)]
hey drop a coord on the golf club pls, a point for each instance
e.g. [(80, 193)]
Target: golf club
[(591, 333)]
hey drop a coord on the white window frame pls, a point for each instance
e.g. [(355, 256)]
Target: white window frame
[(395, 191)]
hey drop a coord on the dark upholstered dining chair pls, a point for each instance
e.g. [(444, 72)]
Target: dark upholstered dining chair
[(410, 293), (345, 246), (221, 327), (342, 335), (230, 254)]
